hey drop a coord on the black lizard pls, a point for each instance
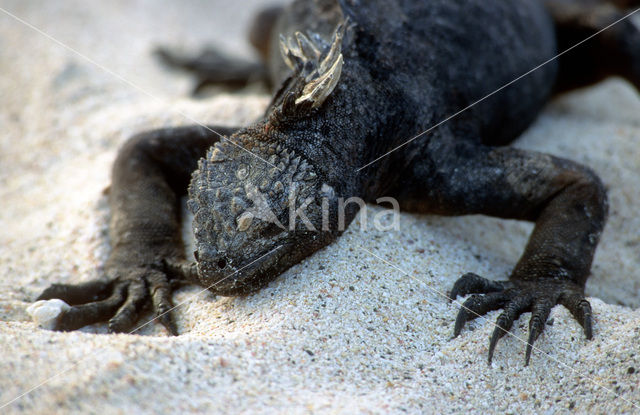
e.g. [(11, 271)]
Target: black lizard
[(367, 77)]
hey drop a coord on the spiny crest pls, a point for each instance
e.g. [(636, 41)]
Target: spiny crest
[(318, 63)]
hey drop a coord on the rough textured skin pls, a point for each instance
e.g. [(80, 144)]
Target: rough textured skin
[(396, 69)]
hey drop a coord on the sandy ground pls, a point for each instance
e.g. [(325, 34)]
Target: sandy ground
[(341, 332)]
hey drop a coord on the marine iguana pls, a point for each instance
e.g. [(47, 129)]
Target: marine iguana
[(356, 79)]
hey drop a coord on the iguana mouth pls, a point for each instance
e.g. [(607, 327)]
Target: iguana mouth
[(224, 279)]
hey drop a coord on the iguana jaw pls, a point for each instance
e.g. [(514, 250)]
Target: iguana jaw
[(232, 280)]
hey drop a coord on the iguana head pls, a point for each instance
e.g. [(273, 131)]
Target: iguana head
[(258, 209), (258, 206)]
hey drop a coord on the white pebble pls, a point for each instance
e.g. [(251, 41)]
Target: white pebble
[(46, 312)]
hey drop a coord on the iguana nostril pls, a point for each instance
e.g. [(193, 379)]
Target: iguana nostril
[(222, 263), (210, 259)]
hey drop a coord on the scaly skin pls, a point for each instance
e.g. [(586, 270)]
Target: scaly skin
[(398, 68)]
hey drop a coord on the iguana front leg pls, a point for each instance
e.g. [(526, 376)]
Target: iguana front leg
[(150, 174), (567, 202)]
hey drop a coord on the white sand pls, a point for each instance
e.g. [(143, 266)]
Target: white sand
[(340, 332)]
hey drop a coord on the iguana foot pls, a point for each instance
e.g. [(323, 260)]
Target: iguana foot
[(119, 299), (212, 67), (516, 297)]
